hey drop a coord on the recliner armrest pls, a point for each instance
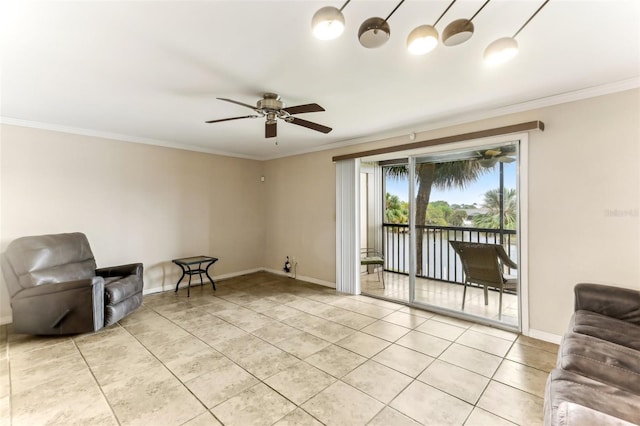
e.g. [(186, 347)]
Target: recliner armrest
[(121, 270), (615, 302), (44, 289), (60, 308)]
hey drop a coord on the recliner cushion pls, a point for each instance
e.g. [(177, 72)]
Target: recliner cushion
[(36, 259), (606, 328), (115, 312), (59, 274), (117, 289)]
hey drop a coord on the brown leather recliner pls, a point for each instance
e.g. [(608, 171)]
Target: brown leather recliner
[(55, 287)]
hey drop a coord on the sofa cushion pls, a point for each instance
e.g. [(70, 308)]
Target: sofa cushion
[(570, 414), (116, 289), (606, 328), (600, 360), (566, 386)]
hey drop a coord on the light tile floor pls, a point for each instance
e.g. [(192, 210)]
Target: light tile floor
[(268, 350), (443, 294)]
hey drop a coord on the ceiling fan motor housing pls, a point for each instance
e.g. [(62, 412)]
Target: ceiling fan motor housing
[(271, 101)]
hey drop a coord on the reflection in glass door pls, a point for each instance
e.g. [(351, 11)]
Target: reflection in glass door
[(468, 196), (395, 235)]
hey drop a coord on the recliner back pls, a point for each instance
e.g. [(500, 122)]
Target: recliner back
[(45, 259)]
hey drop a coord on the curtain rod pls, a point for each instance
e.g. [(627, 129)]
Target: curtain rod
[(497, 131)]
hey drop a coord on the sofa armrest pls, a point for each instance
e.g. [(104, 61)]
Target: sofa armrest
[(121, 270), (615, 302)]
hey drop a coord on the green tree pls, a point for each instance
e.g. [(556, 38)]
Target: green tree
[(440, 213), (491, 201), (395, 210), (442, 176), (457, 217), (437, 213)]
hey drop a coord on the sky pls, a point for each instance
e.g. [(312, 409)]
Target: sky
[(473, 193)]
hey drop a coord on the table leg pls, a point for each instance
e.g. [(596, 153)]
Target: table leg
[(213, 284), (200, 271), (183, 274)]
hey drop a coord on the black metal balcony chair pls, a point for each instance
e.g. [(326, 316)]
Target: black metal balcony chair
[(372, 257), (483, 264)]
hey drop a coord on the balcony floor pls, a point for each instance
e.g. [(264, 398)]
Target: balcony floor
[(444, 295)]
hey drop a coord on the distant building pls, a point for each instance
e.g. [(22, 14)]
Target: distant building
[(471, 213)]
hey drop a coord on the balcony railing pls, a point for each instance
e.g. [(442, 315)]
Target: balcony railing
[(439, 260)]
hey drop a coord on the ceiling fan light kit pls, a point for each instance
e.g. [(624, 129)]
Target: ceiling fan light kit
[(374, 32)]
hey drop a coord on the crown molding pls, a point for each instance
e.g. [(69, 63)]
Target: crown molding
[(434, 124), (467, 117), (119, 137)]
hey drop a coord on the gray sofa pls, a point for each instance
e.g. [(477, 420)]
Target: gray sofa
[(55, 287), (597, 377)]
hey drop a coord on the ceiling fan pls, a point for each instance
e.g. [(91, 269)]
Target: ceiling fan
[(271, 107), (489, 157)]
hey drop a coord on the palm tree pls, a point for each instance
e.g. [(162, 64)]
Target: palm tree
[(491, 219), (442, 176), (395, 210)]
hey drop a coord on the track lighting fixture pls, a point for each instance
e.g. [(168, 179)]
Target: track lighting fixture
[(504, 49), (424, 38), (374, 32), (328, 22), (460, 30)]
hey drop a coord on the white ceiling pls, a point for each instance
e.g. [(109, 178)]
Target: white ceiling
[(150, 71)]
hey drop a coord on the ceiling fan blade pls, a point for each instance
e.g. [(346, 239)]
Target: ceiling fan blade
[(300, 109), (232, 118), (310, 125), (237, 103), (506, 159), (270, 130)]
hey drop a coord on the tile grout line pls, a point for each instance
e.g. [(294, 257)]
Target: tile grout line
[(96, 380), (275, 286)]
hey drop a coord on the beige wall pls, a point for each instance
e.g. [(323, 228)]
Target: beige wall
[(582, 168), (152, 204), (135, 202), (300, 215)]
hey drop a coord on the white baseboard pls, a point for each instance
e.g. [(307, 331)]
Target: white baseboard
[(167, 287), (302, 278), (237, 274), (159, 289), (543, 335)]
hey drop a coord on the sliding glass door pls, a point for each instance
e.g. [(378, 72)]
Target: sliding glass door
[(466, 217), (434, 204)]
